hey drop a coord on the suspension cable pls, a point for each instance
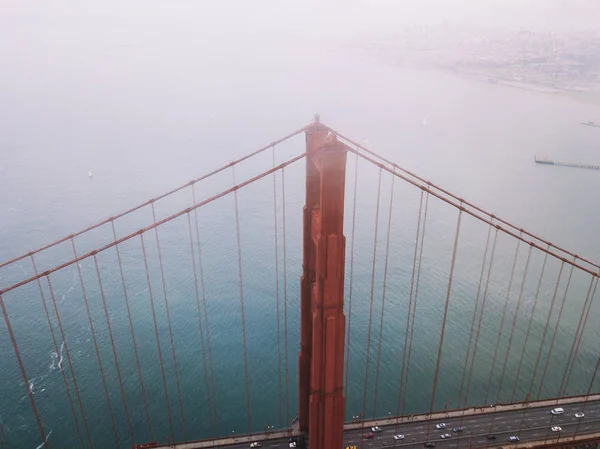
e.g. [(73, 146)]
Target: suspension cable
[(480, 214), (23, 373), (164, 289), (416, 296), (206, 325), (114, 351), (475, 309), (68, 354), (512, 274), (279, 401), (164, 195), (441, 344), (206, 379), (385, 272), (537, 361), (571, 352), (449, 194), (560, 311), (587, 313), (58, 354), (372, 295), (160, 357), (512, 328), (100, 366), (535, 302), (154, 225), (285, 321), (241, 282), (408, 314), (351, 283), (131, 329), (483, 302)]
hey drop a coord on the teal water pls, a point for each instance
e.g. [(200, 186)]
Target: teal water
[(144, 132)]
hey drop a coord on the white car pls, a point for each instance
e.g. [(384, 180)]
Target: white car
[(557, 411), (293, 444), (399, 437), (579, 415), (256, 444), (445, 435), (440, 425), (556, 429), (513, 439), (376, 429)]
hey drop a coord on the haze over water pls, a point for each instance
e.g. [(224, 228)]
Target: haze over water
[(149, 95)]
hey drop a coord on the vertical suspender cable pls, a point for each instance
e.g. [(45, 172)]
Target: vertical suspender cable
[(23, 373), (512, 274), (444, 319), (364, 409), (473, 319), (206, 379), (58, 354), (160, 356), (241, 282), (285, 322), (537, 361), (2, 436), (575, 346), (483, 302), (279, 401), (560, 311), (68, 354), (114, 351), (135, 347), (351, 278), (385, 271), (100, 366), (206, 324), (416, 297), (535, 302), (512, 328), (408, 314), (164, 288)]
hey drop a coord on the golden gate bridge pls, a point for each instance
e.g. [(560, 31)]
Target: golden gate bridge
[(323, 419)]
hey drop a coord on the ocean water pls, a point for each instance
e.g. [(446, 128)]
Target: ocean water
[(146, 115)]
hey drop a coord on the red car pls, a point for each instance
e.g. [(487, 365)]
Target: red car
[(368, 436)]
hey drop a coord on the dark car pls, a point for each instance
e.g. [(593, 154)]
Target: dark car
[(429, 444), (491, 437), (458, 429), (368, 436)]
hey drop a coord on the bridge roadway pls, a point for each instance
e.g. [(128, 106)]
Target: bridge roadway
[(530, 422)]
